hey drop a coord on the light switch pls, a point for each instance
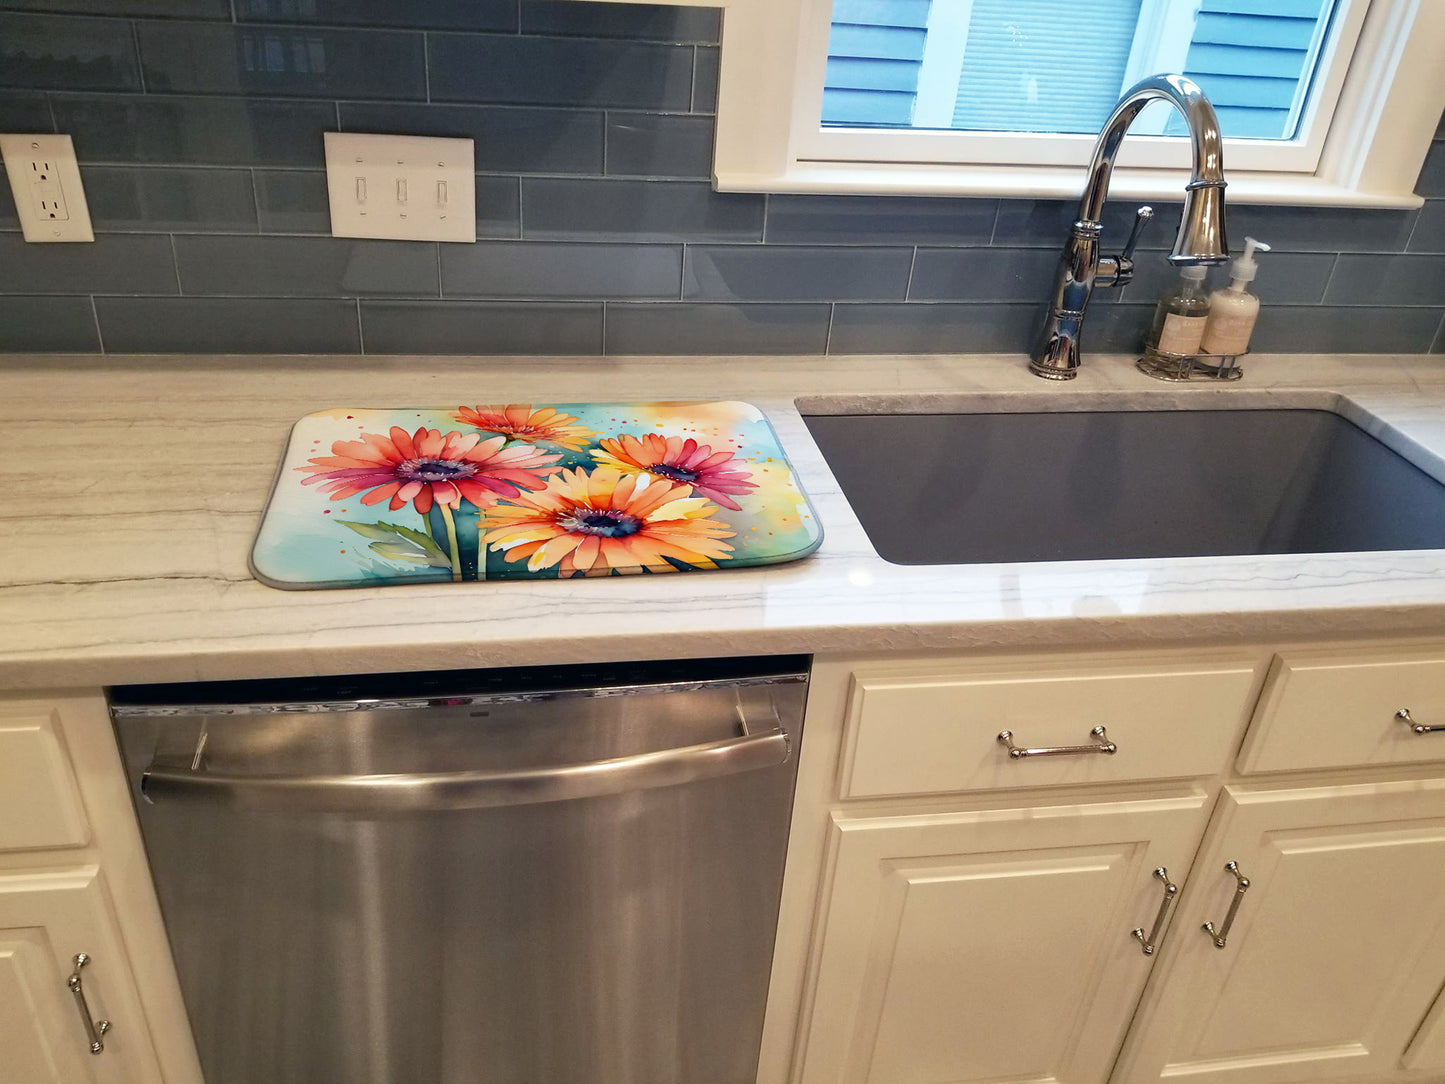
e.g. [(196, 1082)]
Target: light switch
[(378, 187)]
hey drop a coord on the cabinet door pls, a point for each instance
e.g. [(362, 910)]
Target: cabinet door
[(1337, 950), (992, 945), (45, 919)]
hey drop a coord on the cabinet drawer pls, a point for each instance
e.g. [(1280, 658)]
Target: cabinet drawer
[(39, 802), (1324, 711), (935, 733)]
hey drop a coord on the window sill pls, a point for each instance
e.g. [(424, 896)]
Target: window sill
[(1045, 182)]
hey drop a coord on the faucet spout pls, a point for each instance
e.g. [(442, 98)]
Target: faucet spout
[(1200, 240)]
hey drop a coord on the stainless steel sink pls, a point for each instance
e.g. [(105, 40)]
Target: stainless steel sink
[(980, 488)]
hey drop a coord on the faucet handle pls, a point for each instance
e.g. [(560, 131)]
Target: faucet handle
[(1141, 219), (1119, 270)]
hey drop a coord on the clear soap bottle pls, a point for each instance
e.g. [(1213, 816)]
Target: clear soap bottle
[(1180, 319), (1233, 310)]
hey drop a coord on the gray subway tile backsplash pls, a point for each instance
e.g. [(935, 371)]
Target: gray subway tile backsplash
[(45, 325), (983, 274), (643, 22), (653, 145), (198, 125), (934, 328), (168, 129), (481, 327), (545, 269), (291, 201), (1387, 280), (153, 198), (787, 273), (171, 9), (880, 220), (432, 15), (313, 62), (705, 67), (1429, 235), (112, 264), (24, 111), (1345, 330), (63, 51), (211, 325), (305, 267), (509, 139), (499, 68), (687, 328), (637, 210)]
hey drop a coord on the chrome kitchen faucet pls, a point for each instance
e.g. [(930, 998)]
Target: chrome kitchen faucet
[(1201, 228)]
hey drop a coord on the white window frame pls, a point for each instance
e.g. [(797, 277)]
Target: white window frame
[(1364, 137)]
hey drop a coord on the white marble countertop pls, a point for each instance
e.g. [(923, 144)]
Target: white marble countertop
[(132, 488)]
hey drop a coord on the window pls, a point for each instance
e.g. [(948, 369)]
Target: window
[(1340, 110)]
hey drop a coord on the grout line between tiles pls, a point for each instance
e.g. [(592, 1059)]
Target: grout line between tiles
[(828, 336), (440, 292), (95, 315), (912, 263), (176, 266), (426, 63), (50, 109), (360, 334), (604, 328)]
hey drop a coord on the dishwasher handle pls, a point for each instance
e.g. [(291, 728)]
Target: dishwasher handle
[(418, 792)]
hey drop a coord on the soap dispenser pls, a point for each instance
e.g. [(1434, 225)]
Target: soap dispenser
[(1179, 321), (1233, 310)]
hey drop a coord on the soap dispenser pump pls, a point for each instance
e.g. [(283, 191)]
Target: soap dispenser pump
[(1234, 310)]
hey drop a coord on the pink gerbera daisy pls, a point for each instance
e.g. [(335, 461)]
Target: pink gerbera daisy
[(711, 474), (427, 467)]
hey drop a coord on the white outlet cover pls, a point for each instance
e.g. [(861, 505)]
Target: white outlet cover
[(410, 188), (45, 182)]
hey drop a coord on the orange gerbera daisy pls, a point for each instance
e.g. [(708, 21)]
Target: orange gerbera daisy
[(711, 474), (605, 521), (519, 421), (426, 467)]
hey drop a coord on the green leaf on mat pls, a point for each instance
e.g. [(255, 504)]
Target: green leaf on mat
[(398, 543)]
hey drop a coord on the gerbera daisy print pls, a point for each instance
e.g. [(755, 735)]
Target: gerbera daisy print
[(426, 466), (519, 421), (467, 492), (711, 474), (608, 521)]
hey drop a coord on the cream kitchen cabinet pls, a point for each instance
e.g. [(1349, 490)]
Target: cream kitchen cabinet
[(47, 919), (1337, 949), (946, 956), (970, 916), (73, 880)]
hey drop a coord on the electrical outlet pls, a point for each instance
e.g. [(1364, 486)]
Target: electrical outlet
[(45, 181), (411, 188)]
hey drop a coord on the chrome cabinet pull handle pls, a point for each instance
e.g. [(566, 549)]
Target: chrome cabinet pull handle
[(1240, 889), (1102, 744), (1417, 728), (93, 1028), (1171, 893)]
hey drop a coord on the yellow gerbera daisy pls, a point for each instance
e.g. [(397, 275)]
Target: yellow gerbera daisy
[(604, 521)]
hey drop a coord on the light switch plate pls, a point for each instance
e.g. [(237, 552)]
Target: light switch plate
[(411, 188), (45, 181)]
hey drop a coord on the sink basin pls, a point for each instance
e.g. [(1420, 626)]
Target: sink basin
[(980, 488)]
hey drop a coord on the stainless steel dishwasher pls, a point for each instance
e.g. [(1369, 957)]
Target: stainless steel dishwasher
[(563, 875)]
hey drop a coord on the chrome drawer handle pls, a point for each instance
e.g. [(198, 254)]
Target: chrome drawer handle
[(1417, 728), (93, 1028), (1240, 889), (1102, 744), (1171, 893)]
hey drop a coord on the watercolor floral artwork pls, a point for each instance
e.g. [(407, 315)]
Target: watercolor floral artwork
[(529, 491)]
